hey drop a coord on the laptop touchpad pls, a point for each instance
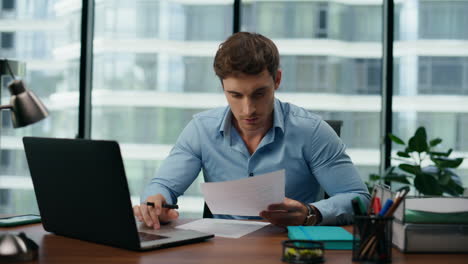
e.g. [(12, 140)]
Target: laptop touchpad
[(149, 237)]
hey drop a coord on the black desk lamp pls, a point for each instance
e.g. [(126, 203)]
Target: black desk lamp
[(25, 107)]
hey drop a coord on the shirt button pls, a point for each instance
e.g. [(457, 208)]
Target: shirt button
[(251, 174)]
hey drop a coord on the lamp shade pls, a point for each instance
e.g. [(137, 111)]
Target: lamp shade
[(26, 108)]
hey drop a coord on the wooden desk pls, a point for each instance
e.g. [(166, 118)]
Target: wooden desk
[(262, 246)]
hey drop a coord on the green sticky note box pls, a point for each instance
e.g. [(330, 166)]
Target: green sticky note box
[(333, 237)]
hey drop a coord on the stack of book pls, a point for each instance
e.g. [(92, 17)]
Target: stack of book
[(431, 224)]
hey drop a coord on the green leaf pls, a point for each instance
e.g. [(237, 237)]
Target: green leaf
[(447, 163), (443, 154), (427, 184), (403, 154), (452, 188), (435, 153), (397, 178), (435, 142), (389, 170), (449, 152), (396, 139), (413, 169), (418, 142), (444, 178), (374, 177)]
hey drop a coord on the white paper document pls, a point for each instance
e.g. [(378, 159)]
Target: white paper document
[(246, 197), (224, 227)]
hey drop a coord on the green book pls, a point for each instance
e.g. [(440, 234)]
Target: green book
[(421, 217), (333, 237)]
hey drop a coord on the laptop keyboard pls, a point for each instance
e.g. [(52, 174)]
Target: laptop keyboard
[(149, 237)]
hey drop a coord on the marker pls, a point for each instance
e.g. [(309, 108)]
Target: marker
[(356, 208), (371, 204), (168, 206), (376, 206), (386, 206), (362, 208)]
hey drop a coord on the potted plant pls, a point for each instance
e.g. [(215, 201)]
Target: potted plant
[(430, 171)]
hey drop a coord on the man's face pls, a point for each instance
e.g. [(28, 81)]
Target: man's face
[(251, 98)]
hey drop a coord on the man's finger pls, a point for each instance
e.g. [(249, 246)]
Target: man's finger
[(168, 215), (276, 207), (283, 218), (289, 205), (155, 218), (146, 216), (137, 213)]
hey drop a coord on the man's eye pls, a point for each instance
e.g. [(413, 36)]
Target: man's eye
[(257, 95), (236, 95)]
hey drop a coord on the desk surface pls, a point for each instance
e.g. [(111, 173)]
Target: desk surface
[(262, 246)]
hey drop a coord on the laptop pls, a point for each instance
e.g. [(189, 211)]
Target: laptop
[(82, 193)]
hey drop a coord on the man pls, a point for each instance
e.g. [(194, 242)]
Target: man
[(257, 134)]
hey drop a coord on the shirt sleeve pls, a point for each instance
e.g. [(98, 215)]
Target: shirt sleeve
[(179, 169), (337, 175)]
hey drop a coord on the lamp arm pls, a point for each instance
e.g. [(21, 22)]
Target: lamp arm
[(9, 69), (5, 107)]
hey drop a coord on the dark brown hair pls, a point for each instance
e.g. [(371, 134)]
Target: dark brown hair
[(247, 53)]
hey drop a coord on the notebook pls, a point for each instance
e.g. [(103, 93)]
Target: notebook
[(333, 237), (82, 192)]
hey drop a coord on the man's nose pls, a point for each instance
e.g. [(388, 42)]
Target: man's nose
[(248, 107)]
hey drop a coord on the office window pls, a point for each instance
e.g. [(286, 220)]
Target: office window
[(146, 19), (432, 73), (153, 70), (198, 71), (312, 74), (43, 41), (8, 5), (6, 119), (199, 22), (442, 19), (442, 75), (462, 133), (365, 23), (8, 39), (305, 24), (38, 9), (322, 21), (318, 76), (366, 76)]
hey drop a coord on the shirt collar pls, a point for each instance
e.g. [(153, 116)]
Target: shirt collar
[(278, 119), (278, 115)]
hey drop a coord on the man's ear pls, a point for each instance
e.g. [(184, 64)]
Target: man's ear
[(278, 79)]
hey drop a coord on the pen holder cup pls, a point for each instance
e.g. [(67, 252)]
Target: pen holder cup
[(372, 240), (302, 251)]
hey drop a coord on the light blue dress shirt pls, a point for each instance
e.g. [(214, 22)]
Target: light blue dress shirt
[(299, 141)]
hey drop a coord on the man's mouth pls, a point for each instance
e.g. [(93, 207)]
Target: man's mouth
[(250, 120)]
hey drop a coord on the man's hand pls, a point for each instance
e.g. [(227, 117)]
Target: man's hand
[(153, 216), (288, 213)]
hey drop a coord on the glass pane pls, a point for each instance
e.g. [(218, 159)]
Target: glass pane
[(331, 62), (43, 34), (152, 71), (431, 73)]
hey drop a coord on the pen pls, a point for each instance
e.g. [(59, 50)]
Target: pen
[(168, 206), (399, 197), (386, 207), (371, 204)]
